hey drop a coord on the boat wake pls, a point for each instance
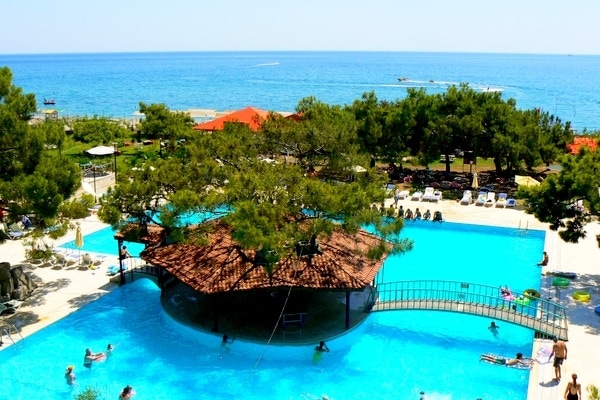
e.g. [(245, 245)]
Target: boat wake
[(266, 64)]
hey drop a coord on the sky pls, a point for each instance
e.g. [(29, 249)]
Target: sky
[(483, 26)]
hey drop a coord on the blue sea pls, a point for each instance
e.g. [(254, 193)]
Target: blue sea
[(113, 84)]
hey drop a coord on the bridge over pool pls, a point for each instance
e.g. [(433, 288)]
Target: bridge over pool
[(522, 309)]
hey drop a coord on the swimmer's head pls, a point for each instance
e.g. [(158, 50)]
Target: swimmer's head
[(70, 368)]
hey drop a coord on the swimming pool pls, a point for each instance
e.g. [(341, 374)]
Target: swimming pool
[(393, 354), (103, 241)]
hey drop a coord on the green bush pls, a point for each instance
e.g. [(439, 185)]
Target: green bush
[(89, 393), (77, 208)]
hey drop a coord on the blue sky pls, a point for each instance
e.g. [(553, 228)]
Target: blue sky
[(504, 26)]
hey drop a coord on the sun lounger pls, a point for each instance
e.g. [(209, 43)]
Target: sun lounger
[(501, 202), (403, 194), (12, 232), (511, 203), (437, 195), (114, 269), (490, 199), (428, 195), (467, 197), (7, 310), (89, 261), (481, 198), (417, 196)]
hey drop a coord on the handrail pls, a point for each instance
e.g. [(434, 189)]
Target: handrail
[(7, 331), (521, 309)]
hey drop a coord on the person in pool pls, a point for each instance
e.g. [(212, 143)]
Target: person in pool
[(90, 357), (126, 393), (70, 375), (502, 360), (322, 346), (493, 328)]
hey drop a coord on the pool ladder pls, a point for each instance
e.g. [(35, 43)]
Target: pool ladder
[(525, 228), (9, 331)]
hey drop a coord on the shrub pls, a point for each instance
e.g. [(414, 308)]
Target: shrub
[(77, 208)]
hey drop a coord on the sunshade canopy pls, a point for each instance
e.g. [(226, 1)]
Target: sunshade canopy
[(101, 150), (523, 180)]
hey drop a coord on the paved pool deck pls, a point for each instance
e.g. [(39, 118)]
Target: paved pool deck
[(60, 292)]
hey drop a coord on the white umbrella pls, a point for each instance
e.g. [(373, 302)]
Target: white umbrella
[(475, 184), (523, 180), (101, 150)]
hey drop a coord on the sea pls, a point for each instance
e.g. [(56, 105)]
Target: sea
[(114, 84)]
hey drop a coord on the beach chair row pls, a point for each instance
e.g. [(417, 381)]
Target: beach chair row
[(488, 199)]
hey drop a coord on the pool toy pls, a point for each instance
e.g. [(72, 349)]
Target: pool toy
[(560, 282), (581, 295), (523, 301), (531, 294)]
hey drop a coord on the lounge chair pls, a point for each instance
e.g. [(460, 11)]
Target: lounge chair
[(437, 195), (114, 269), (7, 310), (501, 202), (481, 198), (13, 232), (62, 260), (490, 199), (428, 195), (403, 194), (467, 197), (417, 196), (89, 261), (511, 203)]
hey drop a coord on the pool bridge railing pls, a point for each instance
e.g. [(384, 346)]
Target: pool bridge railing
[(519, 308)]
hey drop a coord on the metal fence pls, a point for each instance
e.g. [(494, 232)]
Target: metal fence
[(520, 308)]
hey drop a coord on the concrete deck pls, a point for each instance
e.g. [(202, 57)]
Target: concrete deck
[(61, 292)]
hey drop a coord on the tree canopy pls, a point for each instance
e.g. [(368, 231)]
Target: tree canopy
[(32, 179), (569, 200), (292, 182)]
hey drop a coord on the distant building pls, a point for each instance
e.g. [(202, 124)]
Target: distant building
[(581, 141), (253, 117)]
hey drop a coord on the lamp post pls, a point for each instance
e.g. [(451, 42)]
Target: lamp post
[(94, 173), (115, 157)]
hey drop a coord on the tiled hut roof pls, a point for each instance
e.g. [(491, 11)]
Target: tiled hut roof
[(222, 265)]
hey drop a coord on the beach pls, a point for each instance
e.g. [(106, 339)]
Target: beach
[(61, 292)]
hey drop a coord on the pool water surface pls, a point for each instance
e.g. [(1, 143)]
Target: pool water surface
[(392, 355)]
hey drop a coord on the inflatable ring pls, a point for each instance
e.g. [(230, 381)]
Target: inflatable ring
[(531, 294), (597, 310), (523, 301), (581, 295), (560, 282)]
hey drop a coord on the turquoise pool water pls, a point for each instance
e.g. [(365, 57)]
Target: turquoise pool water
[(103, 241), (392, 355)]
